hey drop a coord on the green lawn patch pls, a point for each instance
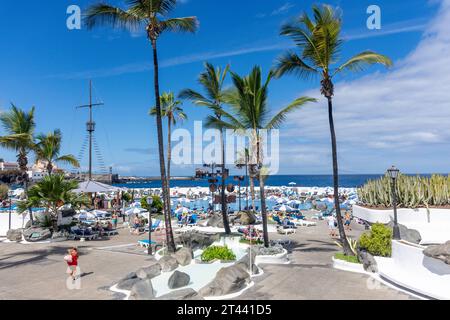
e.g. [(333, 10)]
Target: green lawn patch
[(351, 259)]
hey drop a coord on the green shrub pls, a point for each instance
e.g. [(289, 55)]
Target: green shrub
[(218, 252), (341, 256), (378, 242)]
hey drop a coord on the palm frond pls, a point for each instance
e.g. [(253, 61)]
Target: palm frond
[(291, 63), (364, 59), (278, 119), (69, 159), (186, 24), (104, 14)]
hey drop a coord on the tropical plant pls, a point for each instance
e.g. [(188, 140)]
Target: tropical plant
[(319, 42), (171, 109), (353, 245), (378, 242), (52, 193), (411, 192), (151, 15), (212, 80), (4, 189), (218, 252), (248, 100), (48, 149), (19, 126), (157, 204)]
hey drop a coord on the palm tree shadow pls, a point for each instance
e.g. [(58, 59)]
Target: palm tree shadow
[(38, 256)]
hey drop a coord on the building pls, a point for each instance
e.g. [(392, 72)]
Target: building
[(7, 166)]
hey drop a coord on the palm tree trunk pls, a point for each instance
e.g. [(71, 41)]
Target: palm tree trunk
[(263, 210), (169, 149), (252, 190), (345, 244), (226, 223), (262, 194), (165, 186), (23, 164)]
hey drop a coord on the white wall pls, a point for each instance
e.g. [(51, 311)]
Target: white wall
[(434, 228), (410, 268)]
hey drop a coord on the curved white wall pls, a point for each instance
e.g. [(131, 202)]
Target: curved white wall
[(411, 269), (434, 228)]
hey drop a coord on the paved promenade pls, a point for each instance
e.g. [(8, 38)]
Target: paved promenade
[(37, 271)]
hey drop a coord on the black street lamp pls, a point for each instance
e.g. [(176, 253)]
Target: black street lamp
[(393, 174), (10, 194), (150, 202)]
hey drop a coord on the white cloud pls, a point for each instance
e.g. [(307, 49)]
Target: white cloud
[(402, 115)]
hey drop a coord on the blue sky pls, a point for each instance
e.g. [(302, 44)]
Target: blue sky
[(44, 64)]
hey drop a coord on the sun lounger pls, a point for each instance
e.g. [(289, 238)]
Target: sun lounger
[(286, 231), (145, 243)]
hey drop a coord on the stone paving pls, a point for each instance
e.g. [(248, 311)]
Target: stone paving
[(37, 271)]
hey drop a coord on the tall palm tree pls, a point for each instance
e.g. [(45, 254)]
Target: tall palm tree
[(319, 43), (249, 101), (151, 15), (19, 126), (212, 80), (171, 109), (48, 149)]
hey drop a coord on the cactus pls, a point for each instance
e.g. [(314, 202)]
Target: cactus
[(411, 191)]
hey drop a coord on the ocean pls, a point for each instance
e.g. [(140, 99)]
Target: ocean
[(346, 181)]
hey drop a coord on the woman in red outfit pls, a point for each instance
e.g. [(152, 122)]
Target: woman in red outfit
[(72, 262)]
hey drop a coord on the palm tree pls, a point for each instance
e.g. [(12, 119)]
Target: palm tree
[(319, 42), (249, 101), (19, 126), (148, 14), (212, 81), (48, 149), (171, 109), (51, 193)]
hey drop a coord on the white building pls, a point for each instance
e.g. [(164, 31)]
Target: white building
[(5, 166)]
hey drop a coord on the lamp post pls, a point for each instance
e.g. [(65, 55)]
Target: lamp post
[(393, 174), (10, 194), (150, 202)]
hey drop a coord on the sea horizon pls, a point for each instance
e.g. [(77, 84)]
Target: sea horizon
[(300, 180)]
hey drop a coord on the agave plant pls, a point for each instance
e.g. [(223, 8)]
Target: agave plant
[(411, 192)]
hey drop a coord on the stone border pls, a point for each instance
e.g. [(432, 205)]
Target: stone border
[(348, 266), (273, 259)]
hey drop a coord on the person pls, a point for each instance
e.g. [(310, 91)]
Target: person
[(136, 224), (114, 220), (348, 221), (331, 220), (72, 262)]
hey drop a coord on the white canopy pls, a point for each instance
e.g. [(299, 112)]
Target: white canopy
[(134, 211), (94, 186)]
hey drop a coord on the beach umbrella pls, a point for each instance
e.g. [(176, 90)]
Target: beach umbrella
[(94, 187), (284, 208), (86, 216), (182, 210), (134, 211)]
